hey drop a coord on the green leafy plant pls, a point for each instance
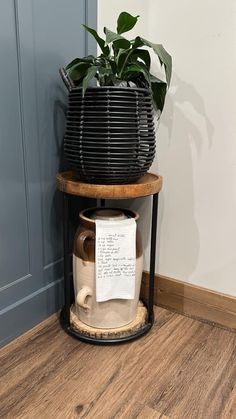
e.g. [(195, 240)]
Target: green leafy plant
[(123, 62)]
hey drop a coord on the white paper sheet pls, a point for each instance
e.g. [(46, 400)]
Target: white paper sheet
[(115, 259)]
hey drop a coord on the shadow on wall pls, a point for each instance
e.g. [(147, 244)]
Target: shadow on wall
[(178, 241), (182, 93)]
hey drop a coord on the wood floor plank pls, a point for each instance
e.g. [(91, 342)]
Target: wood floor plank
[(153, 359), (149, 413), (230, 406), (200, 379), (182, 369)]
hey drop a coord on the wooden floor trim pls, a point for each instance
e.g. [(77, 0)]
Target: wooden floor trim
[(193, 301)]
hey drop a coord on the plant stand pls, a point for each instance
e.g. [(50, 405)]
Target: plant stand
[(68, 183)]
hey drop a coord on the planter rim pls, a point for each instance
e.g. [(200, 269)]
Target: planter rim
[(94, 88)]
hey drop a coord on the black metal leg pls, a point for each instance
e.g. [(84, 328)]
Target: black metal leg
[(66, 259), (101, 203), (152, 257)]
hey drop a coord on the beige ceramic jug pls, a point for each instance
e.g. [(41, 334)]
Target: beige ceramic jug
[(108, 314)]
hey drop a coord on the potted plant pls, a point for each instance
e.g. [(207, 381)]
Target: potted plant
[(110, 135)]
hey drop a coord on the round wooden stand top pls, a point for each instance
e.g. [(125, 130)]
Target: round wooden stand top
[(69, 182)]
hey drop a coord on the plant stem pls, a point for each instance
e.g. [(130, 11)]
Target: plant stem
[(123, 66)]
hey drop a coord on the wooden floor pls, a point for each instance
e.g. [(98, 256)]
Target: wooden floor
[(182, 369)]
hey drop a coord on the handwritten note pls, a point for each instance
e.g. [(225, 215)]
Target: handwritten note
[(115, 259)]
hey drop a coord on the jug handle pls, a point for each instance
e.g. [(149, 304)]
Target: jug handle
[(82, 295), (81, 241)]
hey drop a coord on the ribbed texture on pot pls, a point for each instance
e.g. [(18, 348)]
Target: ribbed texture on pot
[(110, 137)]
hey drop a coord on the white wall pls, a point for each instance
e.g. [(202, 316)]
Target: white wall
[(196, 144)]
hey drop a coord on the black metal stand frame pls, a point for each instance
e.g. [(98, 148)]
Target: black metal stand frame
[(65, 313)]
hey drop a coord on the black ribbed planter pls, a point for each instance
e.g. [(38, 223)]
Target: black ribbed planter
[(110, 137)]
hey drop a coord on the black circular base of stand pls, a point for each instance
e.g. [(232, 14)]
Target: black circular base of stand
[(95, 341)]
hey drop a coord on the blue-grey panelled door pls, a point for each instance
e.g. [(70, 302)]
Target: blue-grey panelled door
[(36, 38)]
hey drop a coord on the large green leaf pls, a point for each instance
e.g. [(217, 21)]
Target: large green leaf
[(121, 44), (78, 71), (143, 54), (137, 42), (159, 89), (105, 49), (126, 22), (90, 75), (131, 71), (164, 57), (130, 56), (119, 41), (89, 58)]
